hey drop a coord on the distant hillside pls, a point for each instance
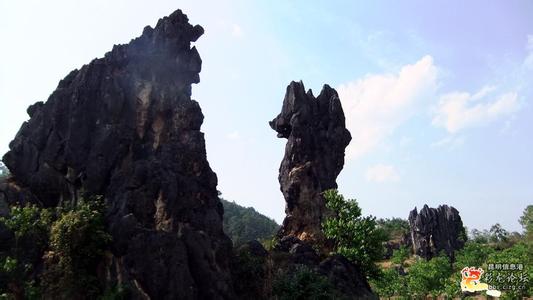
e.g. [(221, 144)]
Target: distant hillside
[(243, 224)]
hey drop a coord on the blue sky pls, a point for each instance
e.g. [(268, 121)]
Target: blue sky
[(437, 94)]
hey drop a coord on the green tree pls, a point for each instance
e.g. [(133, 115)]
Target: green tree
[(355, 237), (390, 284), (66, 245), (472, 255), (481, 237), (517, 254), (526, 220), (394, 228), (78, 240), (399, 256), (498, 233), (30, 227), (429, 277), (303, 283)]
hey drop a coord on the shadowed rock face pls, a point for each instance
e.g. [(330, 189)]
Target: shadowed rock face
[(314, 156), (436, 229), (125, 126)]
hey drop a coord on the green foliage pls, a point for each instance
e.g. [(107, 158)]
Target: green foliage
[(117, 292), (498, 234), (28, 220), (526, 220), (250, 274), (30, 227), (357, 238), (400, 256), (77, 243), (303, 283), (429, 277), (472, 255), (480, 237), (390, 284), (394, 228), (72, 241), (245, 224), (517, 254)]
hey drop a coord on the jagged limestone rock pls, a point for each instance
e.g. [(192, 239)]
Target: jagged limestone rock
[(125, 127), (436, 229), (314, 156)]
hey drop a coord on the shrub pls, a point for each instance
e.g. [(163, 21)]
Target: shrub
[(429, 277), (30, 228), (390, 284), (303, 283), (399, 256), (355, 237), (77, 243)]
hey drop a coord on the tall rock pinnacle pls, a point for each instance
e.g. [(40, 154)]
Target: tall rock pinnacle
[(125, 127), (314, 156)]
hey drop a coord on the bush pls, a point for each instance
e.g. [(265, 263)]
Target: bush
[(400, 256), (355, 237), (77, 243), (472, 255), (429, 277), (303, 283), (390, 284), (72, 241), (30, 228), (249, 273), (517, 254)]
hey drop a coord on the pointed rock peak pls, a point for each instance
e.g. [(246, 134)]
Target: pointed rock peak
[(314, 156)]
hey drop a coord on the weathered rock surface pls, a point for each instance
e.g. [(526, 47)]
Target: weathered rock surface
[(434, 230), (125, 126), (314, 156)]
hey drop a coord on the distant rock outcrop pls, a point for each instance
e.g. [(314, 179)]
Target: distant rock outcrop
[(125, 126), (314, 156), (434, 230)]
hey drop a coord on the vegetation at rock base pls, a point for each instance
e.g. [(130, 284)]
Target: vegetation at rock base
[(66, 244), (407, 277), (357, 238), (243, 224), (303, 283)]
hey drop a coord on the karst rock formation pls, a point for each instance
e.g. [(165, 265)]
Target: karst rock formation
[(436, 229), (125, 127), (314, 156)]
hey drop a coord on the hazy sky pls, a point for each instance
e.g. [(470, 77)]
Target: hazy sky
[(437, 95)]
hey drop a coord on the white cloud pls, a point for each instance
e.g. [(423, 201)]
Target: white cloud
[(235, 135), (375, 105), (459, 110), (451, 142), (528, 62), (236, 31), (382, 173)]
